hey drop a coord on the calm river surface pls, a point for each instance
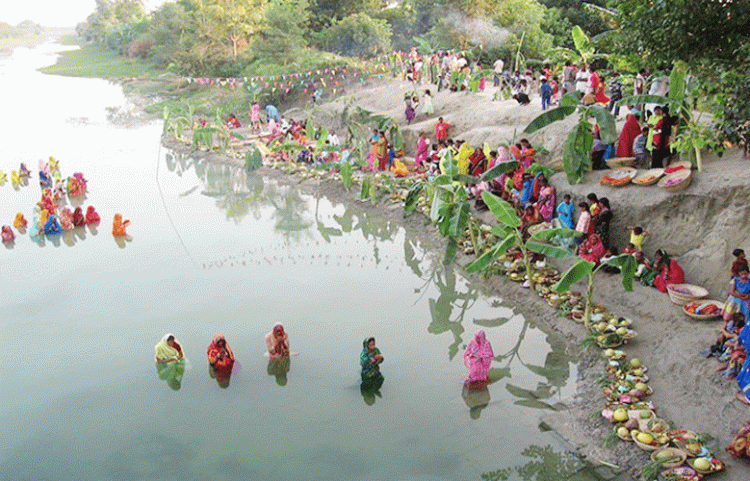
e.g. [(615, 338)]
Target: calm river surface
[(214, 249)]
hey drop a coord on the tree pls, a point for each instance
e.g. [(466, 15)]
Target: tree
[(688, 30), (285, 32), (325, 13), (358, 35)]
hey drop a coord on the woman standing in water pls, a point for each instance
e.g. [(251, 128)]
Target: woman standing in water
[(168, 350), (277, 342), (219, 353), (478, 357), (370, 360)]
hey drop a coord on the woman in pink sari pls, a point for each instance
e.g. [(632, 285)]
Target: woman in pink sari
[(546, 203), (478, 357), (423, 150), (255, 116), (592, 249)]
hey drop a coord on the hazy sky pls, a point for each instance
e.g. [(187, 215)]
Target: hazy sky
[(52, 13)]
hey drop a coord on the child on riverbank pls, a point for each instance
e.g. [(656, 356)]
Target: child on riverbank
[(565, 212), (637, 236)]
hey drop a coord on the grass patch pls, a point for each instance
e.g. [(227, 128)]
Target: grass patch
[(69, 39), (100, 62)]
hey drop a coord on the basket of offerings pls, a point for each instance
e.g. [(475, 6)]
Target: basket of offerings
[(670, 457), (703, 310), (681, 165), (706, 465), (676, 181), (616, 162), (680, 473), (619, 177), (649, 441), (685, 293), (648, 177)]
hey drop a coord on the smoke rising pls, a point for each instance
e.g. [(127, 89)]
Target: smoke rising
[(477, 30)]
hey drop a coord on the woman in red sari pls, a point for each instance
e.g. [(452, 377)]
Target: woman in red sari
[(630, 131), (219, 353), (592, 249)]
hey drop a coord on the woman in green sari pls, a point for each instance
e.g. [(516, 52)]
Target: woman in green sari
[(370, 360)]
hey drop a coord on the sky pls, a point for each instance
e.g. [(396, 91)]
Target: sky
[(52, 13)]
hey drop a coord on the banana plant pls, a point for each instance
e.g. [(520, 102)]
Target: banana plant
[(577, 147), (581, 268), (509, 231)]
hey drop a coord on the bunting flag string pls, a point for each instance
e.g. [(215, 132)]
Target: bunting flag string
[(309, 81)]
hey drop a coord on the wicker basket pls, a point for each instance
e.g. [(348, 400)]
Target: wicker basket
[(622, 176), (682, 298), (648, 177), (676, 181), (647, 447), (616, 162), (677, 453), (703, 317)]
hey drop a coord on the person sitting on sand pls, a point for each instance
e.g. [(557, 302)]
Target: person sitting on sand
[(531, 217), (739, 295), (663, 271), (592, 249), (739, 263), (522, 93), (168, 350), (233, 122)]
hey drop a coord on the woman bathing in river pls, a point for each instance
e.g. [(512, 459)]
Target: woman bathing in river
[(277, 342), (370, 360), (168, 350)]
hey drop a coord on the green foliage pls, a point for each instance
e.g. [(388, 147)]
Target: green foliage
[(578, 271), (582, 44), (689, 30), (98, 61), (577, 152), (253, 159), (548, 117), (358, 35), (412, 196), (285, 32), (346, 175)]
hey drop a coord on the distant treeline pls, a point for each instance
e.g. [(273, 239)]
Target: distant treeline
[(25, 28), (231, 38)]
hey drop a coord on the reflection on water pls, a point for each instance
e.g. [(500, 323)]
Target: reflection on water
[(546, 464), (171, 373), (279, 368), (370, 388), (476, 399)]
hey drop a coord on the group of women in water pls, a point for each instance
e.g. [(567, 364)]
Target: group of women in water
[(169, 357)]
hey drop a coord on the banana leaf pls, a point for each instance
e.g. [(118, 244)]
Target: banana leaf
[(548, 118), (439, 201), (548, 234), (548, 249), (483, 261), (346, 175), (571, 99), (575, 273), (501, 231), (459, 220), (582, 43), (498, 170), (450, 251), (502, 210), (627, 265), (364, 192), (606, 121), (577, 152), (412, 196)]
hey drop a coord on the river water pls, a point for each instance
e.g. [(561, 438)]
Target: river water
[(212, 249)]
